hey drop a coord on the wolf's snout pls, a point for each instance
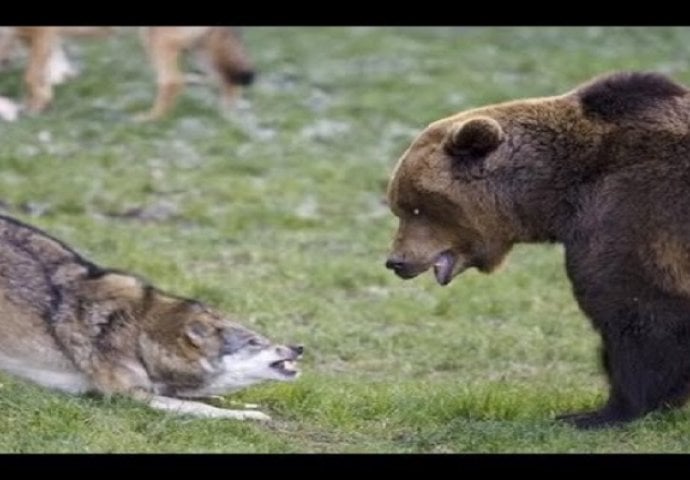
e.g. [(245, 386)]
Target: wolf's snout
[(297, 349)]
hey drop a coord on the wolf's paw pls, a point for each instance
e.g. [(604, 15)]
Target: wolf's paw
[(252, 415)]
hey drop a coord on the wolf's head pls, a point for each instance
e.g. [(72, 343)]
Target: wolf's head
[(186, 347), (232, 355)]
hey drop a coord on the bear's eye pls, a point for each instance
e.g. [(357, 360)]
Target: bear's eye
[(415, 212)]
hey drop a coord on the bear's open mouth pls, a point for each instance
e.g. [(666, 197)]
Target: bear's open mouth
[(444, 266)]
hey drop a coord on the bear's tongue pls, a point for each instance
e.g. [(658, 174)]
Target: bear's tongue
[(443, 268)]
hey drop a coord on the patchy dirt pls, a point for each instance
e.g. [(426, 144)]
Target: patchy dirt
[(156, 212), (324, 129), (9, 110)]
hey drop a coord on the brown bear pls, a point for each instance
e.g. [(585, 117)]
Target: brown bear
[(603, 169)]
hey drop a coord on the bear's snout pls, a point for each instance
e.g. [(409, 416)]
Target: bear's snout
[(401, 268)]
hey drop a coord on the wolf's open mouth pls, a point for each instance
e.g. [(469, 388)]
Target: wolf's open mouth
[(286, 367)]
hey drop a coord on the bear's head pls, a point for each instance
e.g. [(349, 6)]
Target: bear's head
[(473, 184), (449, 216)]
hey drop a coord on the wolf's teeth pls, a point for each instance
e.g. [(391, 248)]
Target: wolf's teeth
[(289, 365)]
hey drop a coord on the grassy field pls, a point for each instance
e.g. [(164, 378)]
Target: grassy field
[(275, 211)]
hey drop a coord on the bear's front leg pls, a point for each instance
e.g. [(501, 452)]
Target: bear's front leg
[(609, 415), (647, 360), (644, 328)]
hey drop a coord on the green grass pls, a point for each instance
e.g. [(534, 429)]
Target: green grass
[(275, 212)]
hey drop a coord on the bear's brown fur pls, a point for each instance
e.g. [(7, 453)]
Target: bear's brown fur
[(603, 169)]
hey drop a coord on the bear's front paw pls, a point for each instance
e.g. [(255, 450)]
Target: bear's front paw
[(595, 419)]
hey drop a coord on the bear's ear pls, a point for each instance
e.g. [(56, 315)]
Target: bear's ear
[(475, 137)]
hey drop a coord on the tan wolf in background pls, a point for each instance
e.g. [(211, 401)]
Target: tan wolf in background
[(220, 50)]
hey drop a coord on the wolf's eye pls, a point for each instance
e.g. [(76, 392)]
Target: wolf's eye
[(254, 342)]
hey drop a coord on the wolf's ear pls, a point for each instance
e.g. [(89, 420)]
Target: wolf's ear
[(113, 285), (475, 137), (197, 332)]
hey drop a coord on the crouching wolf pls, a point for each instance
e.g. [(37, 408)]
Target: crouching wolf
[(71, 325)]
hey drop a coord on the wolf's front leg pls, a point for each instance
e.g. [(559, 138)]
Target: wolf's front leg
[(198, 409)]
